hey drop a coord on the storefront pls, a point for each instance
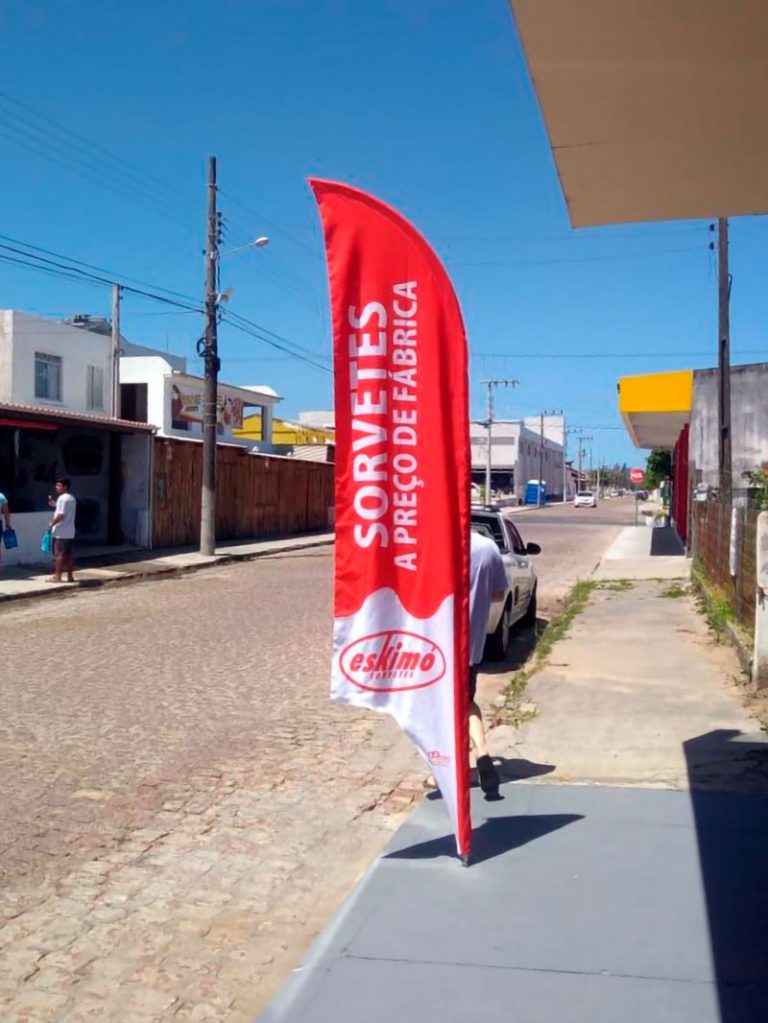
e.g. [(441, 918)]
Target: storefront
[(107, 460)]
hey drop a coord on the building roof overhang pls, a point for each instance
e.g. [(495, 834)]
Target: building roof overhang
[(20, 416), (655, 110), (656, 406)]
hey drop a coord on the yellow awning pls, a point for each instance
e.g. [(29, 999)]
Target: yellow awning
[(655, 109), (656, 406)]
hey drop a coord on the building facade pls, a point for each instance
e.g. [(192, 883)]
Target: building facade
[(518, 455)]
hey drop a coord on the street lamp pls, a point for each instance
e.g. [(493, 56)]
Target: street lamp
[(257, 243)]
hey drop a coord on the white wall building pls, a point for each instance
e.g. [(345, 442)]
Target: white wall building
[(47, 363), (518, 455), (55, 419), (152, 391)]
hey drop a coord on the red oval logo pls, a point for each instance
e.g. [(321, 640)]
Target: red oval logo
[(392, 662)]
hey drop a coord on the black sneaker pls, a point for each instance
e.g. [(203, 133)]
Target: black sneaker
[(488, 775)]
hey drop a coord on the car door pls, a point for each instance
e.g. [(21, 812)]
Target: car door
[(520, 565)]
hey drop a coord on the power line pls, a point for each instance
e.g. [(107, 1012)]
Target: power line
[(605, 355), (274, 344), (575, 259)]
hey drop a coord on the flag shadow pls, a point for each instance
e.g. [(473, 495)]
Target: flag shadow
[(494, 837)]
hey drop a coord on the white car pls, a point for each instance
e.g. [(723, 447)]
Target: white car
[(519, 604), (585, 499)]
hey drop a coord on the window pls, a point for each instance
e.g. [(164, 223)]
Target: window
[(47, 376), (95, 388)]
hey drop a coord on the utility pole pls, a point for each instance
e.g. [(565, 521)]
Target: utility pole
[(724, 362), (490, 384), (541, 459), (582, 452), (547, 412), (116, 296), (211, 361)]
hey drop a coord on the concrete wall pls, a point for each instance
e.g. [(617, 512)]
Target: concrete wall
[(749, 423), (23, 335)]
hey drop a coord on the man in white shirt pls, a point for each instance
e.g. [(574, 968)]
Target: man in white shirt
[(487, 584), (63, 530)]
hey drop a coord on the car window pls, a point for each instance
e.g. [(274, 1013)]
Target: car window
[(515, 540), (492, 526)]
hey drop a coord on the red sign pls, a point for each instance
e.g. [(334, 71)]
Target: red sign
[(637, 475), (402, 484)]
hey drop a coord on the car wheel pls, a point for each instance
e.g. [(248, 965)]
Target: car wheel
[(529, 618), (497, 644)]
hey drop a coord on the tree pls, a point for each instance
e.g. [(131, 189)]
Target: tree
[(657, 467)]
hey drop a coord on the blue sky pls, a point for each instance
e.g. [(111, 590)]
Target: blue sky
[(424, 103)]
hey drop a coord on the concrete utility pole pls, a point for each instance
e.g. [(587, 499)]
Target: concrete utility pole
[(211, 361), (116, 295), (490, 384), (582, 452), (724, 362), (546, 412)]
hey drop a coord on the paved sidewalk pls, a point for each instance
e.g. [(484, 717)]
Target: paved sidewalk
[(640, 552), (585, 905), (623, 874), (19, 583)]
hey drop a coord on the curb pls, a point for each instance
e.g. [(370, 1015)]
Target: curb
[(161, 572)]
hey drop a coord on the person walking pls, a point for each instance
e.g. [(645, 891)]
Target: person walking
[(487, 585), (63, 531)]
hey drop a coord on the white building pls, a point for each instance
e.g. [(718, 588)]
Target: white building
[(55, 419), (518, 454), (44, 362), (153, 391)]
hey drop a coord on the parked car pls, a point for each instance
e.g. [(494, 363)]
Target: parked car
[(585, 499), (641, 495), (614, 493), (519, 604)]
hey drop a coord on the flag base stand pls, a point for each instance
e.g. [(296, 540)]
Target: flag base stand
[(465, 860)]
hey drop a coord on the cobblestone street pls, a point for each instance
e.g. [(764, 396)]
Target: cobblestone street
[(182, 807)]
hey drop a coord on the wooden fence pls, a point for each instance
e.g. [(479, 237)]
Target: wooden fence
[(256, 495)]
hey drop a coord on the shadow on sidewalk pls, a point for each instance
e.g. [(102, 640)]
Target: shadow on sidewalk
[(728, 774), (494, 837)]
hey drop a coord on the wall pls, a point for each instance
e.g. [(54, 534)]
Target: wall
[(6, 354), (136, 472), (77, 349), (749, 423), (711, 526), (257, 495)]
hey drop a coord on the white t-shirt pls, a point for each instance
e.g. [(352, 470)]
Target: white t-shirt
[(487, 576), (66, 505)]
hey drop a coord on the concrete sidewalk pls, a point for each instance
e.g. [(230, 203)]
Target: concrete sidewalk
[(623, 873), (639, 552), (20, 583)]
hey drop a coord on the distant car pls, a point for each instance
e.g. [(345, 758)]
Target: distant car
[(519, 604), (641, 495), (614, 493), (585, 499)]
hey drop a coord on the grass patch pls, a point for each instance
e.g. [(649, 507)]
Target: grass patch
[(617, 585), (513, 712), (674, 591)]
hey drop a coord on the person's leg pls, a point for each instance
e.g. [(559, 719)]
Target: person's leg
[(58, 560), (70, 561), (486, 769)]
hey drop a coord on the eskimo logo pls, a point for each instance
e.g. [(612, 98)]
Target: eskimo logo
[(392, 662)]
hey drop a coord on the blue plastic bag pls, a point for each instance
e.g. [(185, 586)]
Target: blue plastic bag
[(46, 544), (10, 539)]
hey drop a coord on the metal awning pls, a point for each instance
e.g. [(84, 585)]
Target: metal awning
[(655, 109), (44, 417), (656, 406)]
